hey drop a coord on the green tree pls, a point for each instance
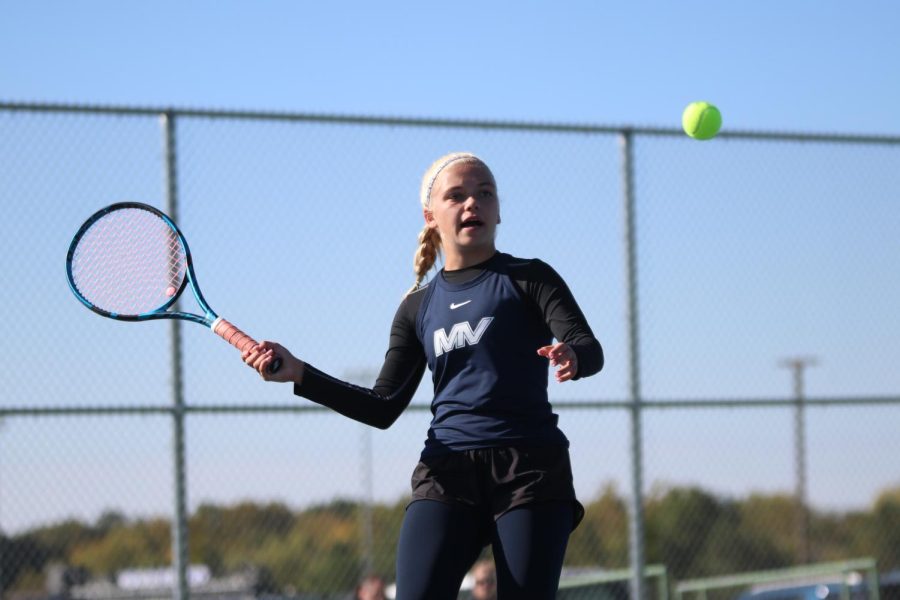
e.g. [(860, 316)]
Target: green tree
[(772, 519), (57, 541), (223, 538), (602, 537), (139, 544), (320, 553), (732, 546), (319, 549), (884, 529), (22, 561), (678, 523)]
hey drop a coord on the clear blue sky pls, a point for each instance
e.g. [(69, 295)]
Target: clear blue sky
[(823, 65), (811, 66)]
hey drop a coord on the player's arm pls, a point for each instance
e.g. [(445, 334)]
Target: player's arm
[(564, 317), (380, 406)]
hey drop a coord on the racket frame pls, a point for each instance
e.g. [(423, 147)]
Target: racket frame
[(161, 312), (217, 324)]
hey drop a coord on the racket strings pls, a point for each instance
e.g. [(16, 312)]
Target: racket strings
[(129, 262)]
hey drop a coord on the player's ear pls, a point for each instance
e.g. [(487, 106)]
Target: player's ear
[(429, 218), (498, 218)]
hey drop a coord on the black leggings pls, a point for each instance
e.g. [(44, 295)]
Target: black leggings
[(439, 542)]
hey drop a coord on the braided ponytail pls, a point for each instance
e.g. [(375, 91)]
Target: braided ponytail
[(426, 254)]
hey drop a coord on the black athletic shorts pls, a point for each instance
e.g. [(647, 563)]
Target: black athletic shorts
[(496, 480)]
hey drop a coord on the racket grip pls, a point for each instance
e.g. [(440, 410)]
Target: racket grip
[(239, 339)]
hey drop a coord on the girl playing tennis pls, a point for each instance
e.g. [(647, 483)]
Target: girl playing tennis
[(495, 466)]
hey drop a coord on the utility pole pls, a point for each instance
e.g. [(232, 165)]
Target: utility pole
[(798, 366)]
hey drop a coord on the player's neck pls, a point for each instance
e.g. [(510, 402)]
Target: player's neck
[(456, 260)]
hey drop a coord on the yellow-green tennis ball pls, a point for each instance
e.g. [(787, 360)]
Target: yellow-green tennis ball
[(701, 120)]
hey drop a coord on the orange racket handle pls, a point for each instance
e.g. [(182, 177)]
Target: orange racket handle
[(239, 340)]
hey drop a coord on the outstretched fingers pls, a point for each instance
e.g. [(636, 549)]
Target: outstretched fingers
[(563, 358)]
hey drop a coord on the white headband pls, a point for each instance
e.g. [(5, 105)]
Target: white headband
[(426, 196)]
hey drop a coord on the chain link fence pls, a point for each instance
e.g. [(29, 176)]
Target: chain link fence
[(749, 404)]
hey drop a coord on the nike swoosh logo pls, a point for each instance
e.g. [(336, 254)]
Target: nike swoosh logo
[(454, 306)]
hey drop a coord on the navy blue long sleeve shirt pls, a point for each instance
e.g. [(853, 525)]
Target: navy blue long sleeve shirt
[(478, 329)]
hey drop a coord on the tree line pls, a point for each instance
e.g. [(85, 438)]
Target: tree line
[(693, 532)]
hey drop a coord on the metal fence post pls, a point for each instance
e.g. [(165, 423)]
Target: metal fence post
[(179, 521), (636, 510)]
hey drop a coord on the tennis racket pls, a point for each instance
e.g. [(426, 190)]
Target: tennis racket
[(130, 262)]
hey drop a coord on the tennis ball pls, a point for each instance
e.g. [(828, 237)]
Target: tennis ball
[(701, 120)]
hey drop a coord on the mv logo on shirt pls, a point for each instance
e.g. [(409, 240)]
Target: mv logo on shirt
[(460, 335)]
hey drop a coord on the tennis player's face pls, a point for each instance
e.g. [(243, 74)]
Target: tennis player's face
[(465, 211)]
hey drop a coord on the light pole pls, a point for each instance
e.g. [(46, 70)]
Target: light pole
[(798, 366)]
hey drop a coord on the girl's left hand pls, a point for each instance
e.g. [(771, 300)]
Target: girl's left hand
[(564, 358)]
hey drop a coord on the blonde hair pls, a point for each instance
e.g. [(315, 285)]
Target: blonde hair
[(429, 247)]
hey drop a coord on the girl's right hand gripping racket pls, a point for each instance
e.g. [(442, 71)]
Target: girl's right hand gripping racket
[(130, 262)]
